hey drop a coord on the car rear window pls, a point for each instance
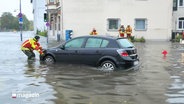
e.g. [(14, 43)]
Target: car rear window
[(125, 43)]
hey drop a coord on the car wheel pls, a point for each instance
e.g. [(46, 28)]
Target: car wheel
[(49, 60), (108, 66)]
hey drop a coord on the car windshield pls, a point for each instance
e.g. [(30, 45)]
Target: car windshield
[(125, 43)]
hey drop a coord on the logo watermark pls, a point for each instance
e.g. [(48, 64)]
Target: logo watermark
[(25, 94)]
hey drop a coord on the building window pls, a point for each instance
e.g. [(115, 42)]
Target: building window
[(51, 1), (175, 3), (140, 24), (181, 23), (59, 27), (181, 3), (113, 24)]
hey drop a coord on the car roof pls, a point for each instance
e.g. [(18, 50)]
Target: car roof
[(102, 36)]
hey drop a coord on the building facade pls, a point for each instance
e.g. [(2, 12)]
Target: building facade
[(147, 18), (178, 16), (38, 12), (54, 18)]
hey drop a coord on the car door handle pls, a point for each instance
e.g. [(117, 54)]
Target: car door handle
[(97, 51), (76, 51)]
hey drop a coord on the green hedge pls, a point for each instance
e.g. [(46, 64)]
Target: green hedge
[(177, 38), (133, 39), (41, 33)]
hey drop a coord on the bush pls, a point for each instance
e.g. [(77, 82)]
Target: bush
[(41, 33), (133, 39), (177, 38)]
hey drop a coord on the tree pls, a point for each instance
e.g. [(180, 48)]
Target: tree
[(8, 22), (31, 26), (26, 23), (15, 24)]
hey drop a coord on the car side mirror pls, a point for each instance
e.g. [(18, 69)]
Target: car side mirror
[(62, 47)]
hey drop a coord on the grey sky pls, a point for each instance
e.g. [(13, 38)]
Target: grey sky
[(14, 5)]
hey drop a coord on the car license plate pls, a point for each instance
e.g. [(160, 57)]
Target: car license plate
[(136, 62)]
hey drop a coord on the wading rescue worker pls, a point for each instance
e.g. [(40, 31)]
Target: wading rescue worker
[(30, 45), (128, 31), (121, 31), (93, 32)]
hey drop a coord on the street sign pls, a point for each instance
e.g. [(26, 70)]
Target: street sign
[(47, 24), (21, 20)]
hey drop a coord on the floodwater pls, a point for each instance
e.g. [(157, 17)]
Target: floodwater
[(159, 80)]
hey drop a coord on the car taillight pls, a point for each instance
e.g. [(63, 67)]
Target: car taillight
[(122, 52)]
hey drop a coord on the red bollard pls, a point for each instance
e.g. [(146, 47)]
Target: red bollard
[(164, 52)]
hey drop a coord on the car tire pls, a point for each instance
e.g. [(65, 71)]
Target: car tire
[(49, 60), (108, 66)]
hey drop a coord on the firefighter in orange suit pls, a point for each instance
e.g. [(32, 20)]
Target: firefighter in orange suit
[(121, 31), (31, 44), (128, 31), (93, 32)]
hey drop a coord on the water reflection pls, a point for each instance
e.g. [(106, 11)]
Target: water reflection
[(182, 58), (83, 84), (175, 91), (35, 68), (35, 82)]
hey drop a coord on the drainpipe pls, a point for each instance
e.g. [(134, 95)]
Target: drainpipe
[(62, 32), (48, 23)]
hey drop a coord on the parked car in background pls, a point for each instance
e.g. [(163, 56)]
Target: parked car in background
[(107, 52)]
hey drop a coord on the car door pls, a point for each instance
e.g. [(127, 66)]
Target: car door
[(69, 51), (92, 51)]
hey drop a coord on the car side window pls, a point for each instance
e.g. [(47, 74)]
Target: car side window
[(76, 43), (104, 43), (93, 43)]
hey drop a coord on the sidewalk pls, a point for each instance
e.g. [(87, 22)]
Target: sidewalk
[(51, 42)]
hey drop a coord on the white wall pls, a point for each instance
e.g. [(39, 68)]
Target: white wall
[(176, 15), (39, 10), (82, 15)]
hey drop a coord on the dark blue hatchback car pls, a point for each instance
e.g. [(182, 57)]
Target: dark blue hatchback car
[(101, 51)]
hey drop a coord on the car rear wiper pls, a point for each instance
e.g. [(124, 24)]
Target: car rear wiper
[(130, 47)]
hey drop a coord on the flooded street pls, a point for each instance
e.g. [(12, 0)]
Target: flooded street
[(159, 80)]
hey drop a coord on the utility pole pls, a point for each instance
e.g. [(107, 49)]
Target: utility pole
[(47, 24), (62, 32), (20, 22)]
